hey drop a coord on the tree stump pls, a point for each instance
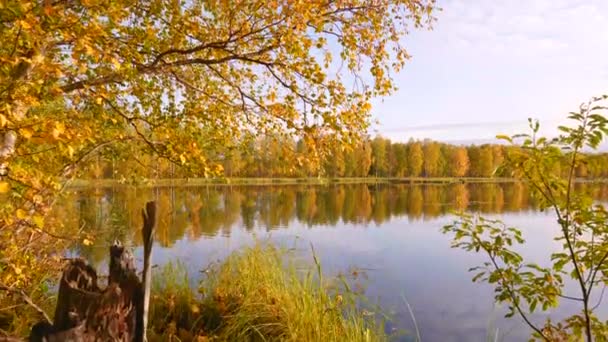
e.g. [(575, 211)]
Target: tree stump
[(85, 312)]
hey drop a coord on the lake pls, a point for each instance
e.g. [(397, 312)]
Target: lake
[(386, 237)]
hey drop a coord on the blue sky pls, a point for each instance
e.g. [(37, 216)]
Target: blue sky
[(488, 65)]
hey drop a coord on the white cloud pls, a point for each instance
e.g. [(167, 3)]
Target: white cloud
[(528, 27), (499, 60)]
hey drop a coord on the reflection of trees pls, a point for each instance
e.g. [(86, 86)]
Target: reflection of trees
[(248, 209), (306, 205), (415, 202), (277, 207), (320, 214), (499, 199), (335, 204), (105, 216), (212, 212), (485, 193), (348, 208), (459, 196), (194, 207), (115, 213), (400, 203), (379, 205), (363, 203), (431, 195), (163, 222), (514, 196), (233, 200)]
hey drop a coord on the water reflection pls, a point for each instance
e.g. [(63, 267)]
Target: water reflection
[(193, 212), (402, 247)]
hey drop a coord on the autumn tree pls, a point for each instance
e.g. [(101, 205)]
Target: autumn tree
[(400, 153), (481, 160), (363, 151), (391, 160), (432, 159), (415, 158), (497, 157), (174, 79), (379, 157), (459, 162), (233, 163), (334, 163), (474, 154), (486, 161)]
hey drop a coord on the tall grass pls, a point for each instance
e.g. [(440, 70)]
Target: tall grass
[(175, 307), (260, 294)]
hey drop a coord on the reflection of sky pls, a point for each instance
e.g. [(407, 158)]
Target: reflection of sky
[(401, 258)]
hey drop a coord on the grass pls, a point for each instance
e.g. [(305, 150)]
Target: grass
[(289, 181), (259, 294)]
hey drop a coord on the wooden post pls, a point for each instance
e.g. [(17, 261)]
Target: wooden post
[(149, 216)]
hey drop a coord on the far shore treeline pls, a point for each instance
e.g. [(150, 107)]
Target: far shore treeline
[(377, 157)]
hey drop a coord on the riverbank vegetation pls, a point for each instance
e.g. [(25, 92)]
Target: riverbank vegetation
[(260, 293)]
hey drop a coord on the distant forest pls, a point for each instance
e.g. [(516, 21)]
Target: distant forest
[(377, 157)]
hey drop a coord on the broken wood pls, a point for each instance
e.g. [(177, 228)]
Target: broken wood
[(86, 312)]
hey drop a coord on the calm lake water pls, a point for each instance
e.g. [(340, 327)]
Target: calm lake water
[(388, 235)]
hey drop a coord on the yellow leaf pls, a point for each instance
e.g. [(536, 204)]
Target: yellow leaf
[(89, 49), (4, 187), (116, 63), (60, 127), (26, 133), (21, 214), (37, 59), (38, 221), (98, 100), (70, 151), (3, 120), (182, 158), (195, 309), (25, 24), (87, 242)]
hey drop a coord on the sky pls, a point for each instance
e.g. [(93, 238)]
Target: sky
[(488, 65)]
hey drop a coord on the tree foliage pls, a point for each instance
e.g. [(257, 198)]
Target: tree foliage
[(415, 159), (164, 83), (459, 162), (432, 159), (581, 230)]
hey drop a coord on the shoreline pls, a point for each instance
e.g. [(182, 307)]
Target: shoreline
[(266, 181), (184, 182)]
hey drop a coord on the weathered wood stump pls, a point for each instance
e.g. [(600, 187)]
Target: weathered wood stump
[(86, 312)]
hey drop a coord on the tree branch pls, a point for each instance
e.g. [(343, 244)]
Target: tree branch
[(27, 300)]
